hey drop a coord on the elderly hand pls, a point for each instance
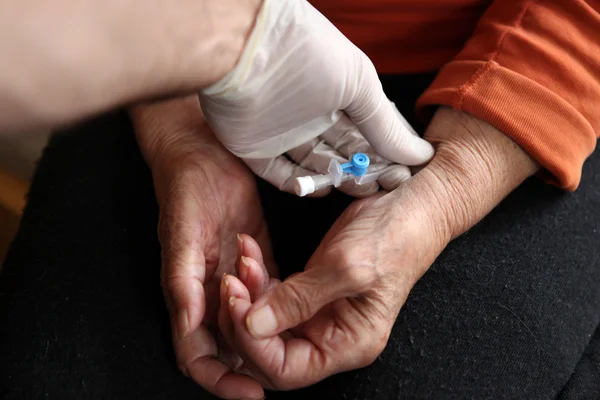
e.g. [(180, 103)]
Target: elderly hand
[(295, 77), (337, 315), (206, 196)]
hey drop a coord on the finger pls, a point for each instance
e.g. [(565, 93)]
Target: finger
[(233, 287), (393, 176), (331, 344), (230, 287), (346, 139), (377, 120), (252, 270), (251, 275), (403, 120), (200, 363), (262, 242), (316, 156), (248, 247), (272, 284), (251, 267), (391, 139), (299, 298), (281, 173), (183, 263), (284, 362), (224, 320)]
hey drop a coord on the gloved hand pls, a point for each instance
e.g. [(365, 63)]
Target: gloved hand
[(339, 142), (296, 78)]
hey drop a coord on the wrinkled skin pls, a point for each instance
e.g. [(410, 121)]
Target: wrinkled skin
[(338, 313), (206, 197)]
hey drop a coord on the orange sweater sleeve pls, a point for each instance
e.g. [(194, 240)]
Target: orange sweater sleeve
[(532, 69)]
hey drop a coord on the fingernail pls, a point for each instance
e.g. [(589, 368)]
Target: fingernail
[(239, 238), (244, 270), (224, 280), (183, 324), (262, 323), (232, 301)]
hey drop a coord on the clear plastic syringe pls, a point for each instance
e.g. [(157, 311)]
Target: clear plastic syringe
[(358, 169)]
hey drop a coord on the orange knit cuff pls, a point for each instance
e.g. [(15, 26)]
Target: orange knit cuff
[(554, 133)]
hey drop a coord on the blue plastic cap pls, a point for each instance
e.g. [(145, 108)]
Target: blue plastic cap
[(358, 164)]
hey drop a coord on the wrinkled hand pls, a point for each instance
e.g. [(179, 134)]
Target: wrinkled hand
[(337, 315), (297, 76), (206, 196)]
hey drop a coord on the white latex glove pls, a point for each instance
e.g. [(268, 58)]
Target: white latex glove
[(340, 142), (295, 79)]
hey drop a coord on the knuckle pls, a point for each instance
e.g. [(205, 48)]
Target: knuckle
[(344, 259), (278, 382), (294, 302), (367, 360), (366, 65), (358, 274), (171, 284), (372, 348), (169, 304), (258, 166)]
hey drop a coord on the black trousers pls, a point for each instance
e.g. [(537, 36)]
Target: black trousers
[(510, 310)]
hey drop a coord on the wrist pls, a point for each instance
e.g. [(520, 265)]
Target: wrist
[(175, 49), (175, 139), (163, 129), (213, 44), (177, 144), (475, 167)]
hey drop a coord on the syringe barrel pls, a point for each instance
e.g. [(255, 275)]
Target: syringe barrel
[(321, 181)]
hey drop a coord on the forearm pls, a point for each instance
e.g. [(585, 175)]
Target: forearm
[(475, 167), (67, 60)]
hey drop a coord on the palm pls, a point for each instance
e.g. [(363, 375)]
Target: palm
[(206, 197), (234, 207), (210, 198)]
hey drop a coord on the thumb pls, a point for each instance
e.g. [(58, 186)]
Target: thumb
[(384, 128), (183, 264), (297, 300)]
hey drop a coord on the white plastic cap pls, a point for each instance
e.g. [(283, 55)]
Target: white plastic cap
[(304, 185)]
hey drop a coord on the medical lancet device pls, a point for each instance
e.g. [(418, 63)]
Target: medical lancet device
[(358, 168)]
